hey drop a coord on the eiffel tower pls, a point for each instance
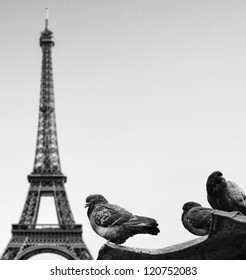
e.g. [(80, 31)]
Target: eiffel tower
[(28, 237)]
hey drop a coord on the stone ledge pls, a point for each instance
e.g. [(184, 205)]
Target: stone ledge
[(226, 241)]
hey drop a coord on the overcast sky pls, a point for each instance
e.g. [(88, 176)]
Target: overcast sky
[(150, 98)]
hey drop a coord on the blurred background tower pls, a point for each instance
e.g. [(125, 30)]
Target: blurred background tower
[(28, 237)]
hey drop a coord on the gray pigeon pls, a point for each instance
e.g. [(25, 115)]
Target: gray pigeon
[(114, 223), (225, 195), (196, 219)]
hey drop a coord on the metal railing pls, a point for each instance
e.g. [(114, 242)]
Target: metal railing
[(38, 227)]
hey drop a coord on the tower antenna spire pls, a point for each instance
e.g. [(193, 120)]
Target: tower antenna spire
[(46, 17)]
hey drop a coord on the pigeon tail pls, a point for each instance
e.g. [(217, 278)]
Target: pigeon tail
[(142, 225)]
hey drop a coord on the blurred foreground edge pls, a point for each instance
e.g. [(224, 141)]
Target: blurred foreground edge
[(226, 241)]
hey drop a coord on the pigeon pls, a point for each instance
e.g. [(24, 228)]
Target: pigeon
[(196, 219), (225, 195), (114, 223)]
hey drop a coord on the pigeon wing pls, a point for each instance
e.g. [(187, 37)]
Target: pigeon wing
[(108, 215), (200, 217), (237, 195)]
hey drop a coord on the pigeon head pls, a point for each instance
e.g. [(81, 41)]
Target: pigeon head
[(215, 179), (94, 199), (188, 205)]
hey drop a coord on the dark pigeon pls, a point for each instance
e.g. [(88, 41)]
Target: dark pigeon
[(114, 223), (225, 195), (196, 219)]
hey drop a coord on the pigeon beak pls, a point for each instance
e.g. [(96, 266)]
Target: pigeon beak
[(86, 205)]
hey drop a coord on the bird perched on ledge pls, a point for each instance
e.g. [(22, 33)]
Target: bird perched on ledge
[(225, 195), (196, 219), (114, 223)]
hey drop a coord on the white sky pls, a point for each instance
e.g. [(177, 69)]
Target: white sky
[(150, 99)]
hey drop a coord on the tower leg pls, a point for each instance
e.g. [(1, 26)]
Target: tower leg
[(65, 241)]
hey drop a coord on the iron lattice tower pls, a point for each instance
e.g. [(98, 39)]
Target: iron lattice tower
[(28, 237)]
